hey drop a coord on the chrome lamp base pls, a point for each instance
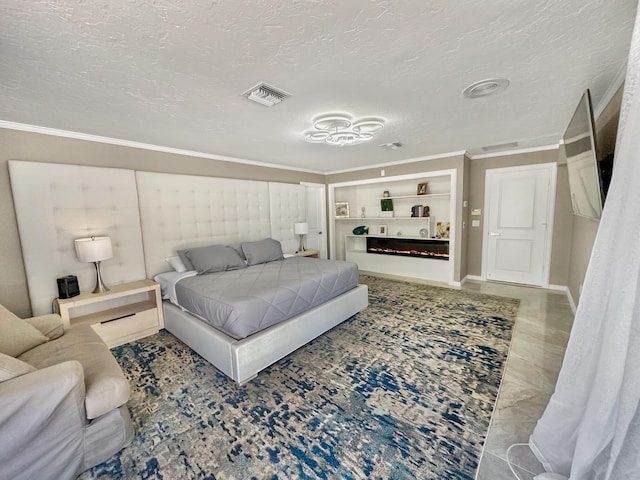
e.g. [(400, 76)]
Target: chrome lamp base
[(100, 286), (301, 247)]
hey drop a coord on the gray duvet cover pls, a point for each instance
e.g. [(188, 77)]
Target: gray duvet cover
[(245, 301)]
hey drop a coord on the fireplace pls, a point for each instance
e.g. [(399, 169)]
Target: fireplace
[(409, 247)]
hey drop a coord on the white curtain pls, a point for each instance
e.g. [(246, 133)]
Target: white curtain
[(590, 429)]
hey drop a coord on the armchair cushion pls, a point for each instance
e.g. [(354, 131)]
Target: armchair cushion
[(50, 326), (106, 386), (16, 335), (12, 367)]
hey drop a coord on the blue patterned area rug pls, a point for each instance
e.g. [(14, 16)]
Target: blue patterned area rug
[(403, 390)]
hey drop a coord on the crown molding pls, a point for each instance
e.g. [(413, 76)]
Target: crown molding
[(144, 146), (514, 152), (615, 84), (399, 162)]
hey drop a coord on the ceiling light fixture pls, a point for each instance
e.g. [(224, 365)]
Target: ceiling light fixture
[(486, 87), (340, 129)]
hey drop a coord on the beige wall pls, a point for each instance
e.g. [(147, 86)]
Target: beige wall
[(448, 163), (17, 145), (562, 217)]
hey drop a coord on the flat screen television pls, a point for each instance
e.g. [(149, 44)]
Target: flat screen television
[(586, 180)]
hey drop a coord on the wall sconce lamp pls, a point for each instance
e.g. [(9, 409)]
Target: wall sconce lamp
[(95, 249)]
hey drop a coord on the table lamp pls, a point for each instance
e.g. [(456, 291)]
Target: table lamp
[(95, 249), (301, 229)]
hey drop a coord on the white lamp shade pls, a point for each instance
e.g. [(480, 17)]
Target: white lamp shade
[(93, 249), (301, 228)]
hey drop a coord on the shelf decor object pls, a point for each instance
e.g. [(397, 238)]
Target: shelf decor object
[(301, 229), (422, 188), (94, 250), (342, 210)]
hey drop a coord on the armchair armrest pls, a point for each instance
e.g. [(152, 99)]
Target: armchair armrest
[(42, 422), (50, 325)]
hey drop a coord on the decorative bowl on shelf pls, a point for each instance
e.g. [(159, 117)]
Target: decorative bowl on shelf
[(361, 230), (424, 233)]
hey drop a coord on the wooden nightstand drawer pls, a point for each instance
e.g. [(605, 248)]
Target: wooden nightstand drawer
[(123, 330), (127, 312)]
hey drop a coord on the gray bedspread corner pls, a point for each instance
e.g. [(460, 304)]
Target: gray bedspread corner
[(245, 301)]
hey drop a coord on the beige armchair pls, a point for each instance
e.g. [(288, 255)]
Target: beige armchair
[(62, 399)]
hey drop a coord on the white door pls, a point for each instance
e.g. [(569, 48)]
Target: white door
[(316, 218), (519, 203)]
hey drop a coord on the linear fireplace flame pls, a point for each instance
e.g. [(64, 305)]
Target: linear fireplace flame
[(409, 247)]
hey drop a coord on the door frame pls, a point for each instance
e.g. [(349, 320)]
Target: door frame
[(552, 167), (323, 213)]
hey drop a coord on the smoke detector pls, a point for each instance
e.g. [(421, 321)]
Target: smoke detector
[(266, 94), (391, 145), (490, 86)]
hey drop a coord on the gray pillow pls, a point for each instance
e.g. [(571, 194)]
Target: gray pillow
[(215, 258), (262, 251), (238, 248), (185, 260)]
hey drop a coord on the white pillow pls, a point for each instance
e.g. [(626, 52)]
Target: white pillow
[(176, 263)]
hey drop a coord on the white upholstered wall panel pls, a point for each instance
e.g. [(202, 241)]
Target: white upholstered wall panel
[(55, 204), (180, 211), (287, 206)]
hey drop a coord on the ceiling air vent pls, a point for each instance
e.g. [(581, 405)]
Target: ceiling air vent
[(500, 146), (266, 94)]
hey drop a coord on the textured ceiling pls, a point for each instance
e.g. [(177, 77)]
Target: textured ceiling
[(170, 72)]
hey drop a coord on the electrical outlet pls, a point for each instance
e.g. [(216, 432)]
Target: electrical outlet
[(382, 173)]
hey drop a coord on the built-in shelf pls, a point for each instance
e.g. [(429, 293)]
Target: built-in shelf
[(426, 195), (408, 237), (383, 218)]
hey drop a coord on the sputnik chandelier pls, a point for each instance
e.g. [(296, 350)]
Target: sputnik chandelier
[(341, 129)]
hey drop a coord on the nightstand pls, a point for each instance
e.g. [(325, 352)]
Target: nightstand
[(127, 312), (308, 253)]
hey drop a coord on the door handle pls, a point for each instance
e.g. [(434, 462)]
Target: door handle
[(494, 234), (319, 233)]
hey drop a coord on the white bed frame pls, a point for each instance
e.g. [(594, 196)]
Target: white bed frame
[(241, 360), (184, 211)]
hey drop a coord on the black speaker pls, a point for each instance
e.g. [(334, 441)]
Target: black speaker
[(68, 286)]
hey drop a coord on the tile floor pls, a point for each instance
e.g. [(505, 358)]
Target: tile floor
[(539, 338)]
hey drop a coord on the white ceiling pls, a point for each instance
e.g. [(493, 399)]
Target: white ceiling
[(170, 72)]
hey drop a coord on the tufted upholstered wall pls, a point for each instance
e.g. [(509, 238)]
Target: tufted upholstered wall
[(179, 211), (56, 204), (147, 215), (287, 205)]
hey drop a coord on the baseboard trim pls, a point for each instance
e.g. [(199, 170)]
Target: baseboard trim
[(474, 277), (565, 289)]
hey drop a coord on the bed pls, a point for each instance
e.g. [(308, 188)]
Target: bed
[(242, 317)]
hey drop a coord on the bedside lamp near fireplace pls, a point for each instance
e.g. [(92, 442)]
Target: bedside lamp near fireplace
[(95, 249)]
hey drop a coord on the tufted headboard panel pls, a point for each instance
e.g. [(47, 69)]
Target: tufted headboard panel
[(180, 211), (55, 204), (286, 207)]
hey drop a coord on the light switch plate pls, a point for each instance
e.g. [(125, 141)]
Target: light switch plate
[(476, 211), (475, 223)]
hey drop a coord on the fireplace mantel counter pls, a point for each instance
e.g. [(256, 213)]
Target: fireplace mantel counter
[(408, 256), (412, 237)]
